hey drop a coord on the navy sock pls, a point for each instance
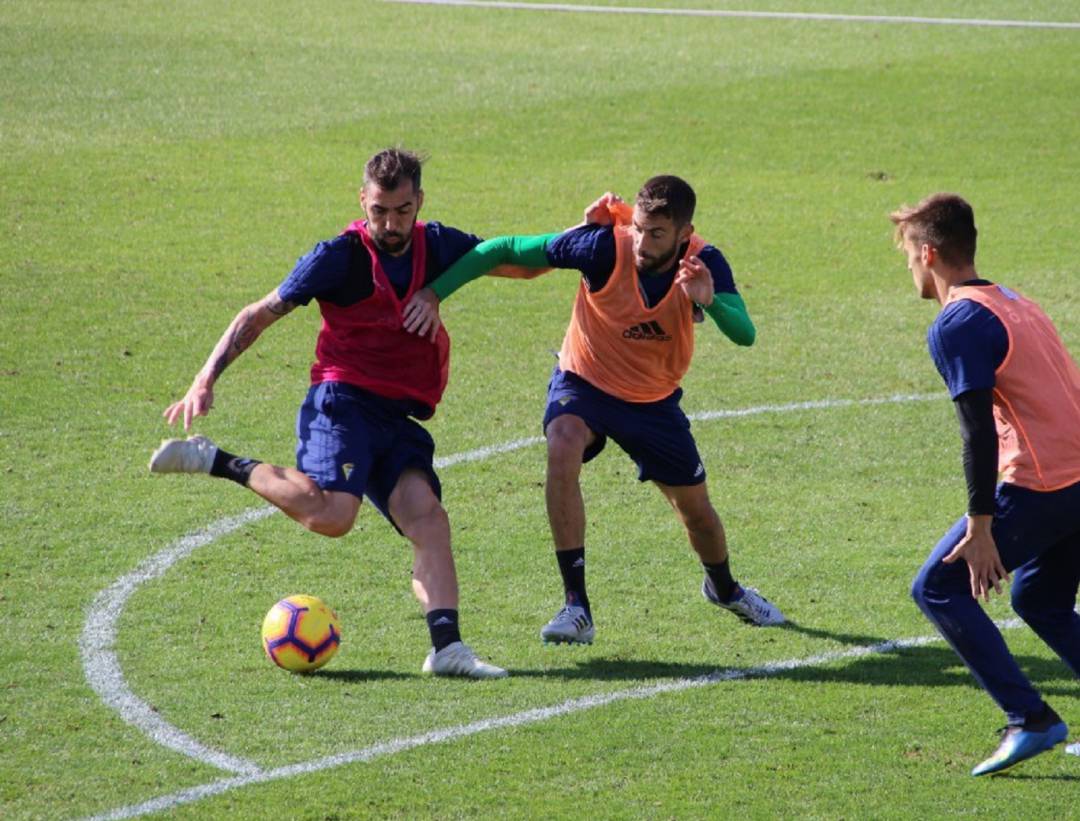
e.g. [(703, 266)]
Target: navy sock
[(572, 568), (443, 626), (1042, 719), (720, 576), (236, 468)]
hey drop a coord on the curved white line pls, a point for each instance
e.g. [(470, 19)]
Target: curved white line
[(751, 15), (102, 667), (576, 705)]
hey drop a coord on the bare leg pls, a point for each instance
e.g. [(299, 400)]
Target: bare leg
[(567, 438), (417, 511), (702, 523), (328, 512)]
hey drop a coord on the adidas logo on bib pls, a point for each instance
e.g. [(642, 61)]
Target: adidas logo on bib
[(647, 330)]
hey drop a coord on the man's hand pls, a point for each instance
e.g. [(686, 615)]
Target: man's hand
[(695, 278), (196, 402), (598, 213), (421, 314), (980, 552)]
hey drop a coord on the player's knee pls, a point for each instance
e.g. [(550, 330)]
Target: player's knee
[(422, 523), (332, 518), (918, 588), (926, 589), (333, 525), (565, 445)]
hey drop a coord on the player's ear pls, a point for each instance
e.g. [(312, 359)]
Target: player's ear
[(419, 200), (927, 254), (685, 232)]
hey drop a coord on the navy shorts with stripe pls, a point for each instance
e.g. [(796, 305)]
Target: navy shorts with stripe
[(656, 435), (354, 441)]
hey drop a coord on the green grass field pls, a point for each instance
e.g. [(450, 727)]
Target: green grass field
[(162, 165)]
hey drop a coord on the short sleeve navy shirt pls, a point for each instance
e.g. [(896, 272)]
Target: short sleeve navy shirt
[(591, 250), (968, 343), (325, 269)]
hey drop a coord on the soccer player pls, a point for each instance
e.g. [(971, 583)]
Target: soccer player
[(370, 381), (629, 343), (1017, 396)]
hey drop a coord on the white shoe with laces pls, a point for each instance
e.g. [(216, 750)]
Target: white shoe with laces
[(749, 605), (1073, 749), (571, 625), (458, 659), (192, 455)]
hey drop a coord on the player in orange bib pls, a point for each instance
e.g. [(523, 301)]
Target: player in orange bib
[(1017, 396), (645, 274)]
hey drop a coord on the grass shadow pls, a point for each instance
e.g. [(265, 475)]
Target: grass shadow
[(1025, 777), (899, 666), (364, 675)]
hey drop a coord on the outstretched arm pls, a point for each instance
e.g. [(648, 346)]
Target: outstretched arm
[(517, 256), (523, 250), (238, 337), (421, 314)]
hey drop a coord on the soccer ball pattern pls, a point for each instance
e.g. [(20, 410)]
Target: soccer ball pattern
[(301, 634)]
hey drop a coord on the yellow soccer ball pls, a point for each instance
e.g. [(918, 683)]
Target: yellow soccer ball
[(301, 634)]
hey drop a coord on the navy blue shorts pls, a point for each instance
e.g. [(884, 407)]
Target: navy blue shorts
[(354, 441), (656, 435)]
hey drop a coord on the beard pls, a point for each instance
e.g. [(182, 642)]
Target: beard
[(654, 264), (390, 242)]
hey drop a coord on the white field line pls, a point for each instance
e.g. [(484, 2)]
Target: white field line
[(576, 705), (483, 453), (758, 15), (102, 668), (96, 644), (818, 404)]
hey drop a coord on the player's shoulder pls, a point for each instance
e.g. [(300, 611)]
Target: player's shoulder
[(441, 231), (960, 314), (711, 255), (583, 238), (329, 253), (960, 322), (716, 262), (587, 248)]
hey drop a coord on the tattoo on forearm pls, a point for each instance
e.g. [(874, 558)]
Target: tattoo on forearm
[(280, 307), (218, 365), (243, 334)]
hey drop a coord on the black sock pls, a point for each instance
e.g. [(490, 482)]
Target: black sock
[(572, 568), (443, 626), (228, 466), (720, 576), (1042, 719)]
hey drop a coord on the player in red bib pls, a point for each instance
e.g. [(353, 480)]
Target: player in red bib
[(1017, 396), (371, 380)]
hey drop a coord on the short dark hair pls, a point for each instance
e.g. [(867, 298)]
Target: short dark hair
[(391, 167), (944, 221), (668, 196)]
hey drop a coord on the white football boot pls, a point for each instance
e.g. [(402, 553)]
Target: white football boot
[(458, 659), (192, 455), (571, 625), (1073, 749), (750, 606)]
